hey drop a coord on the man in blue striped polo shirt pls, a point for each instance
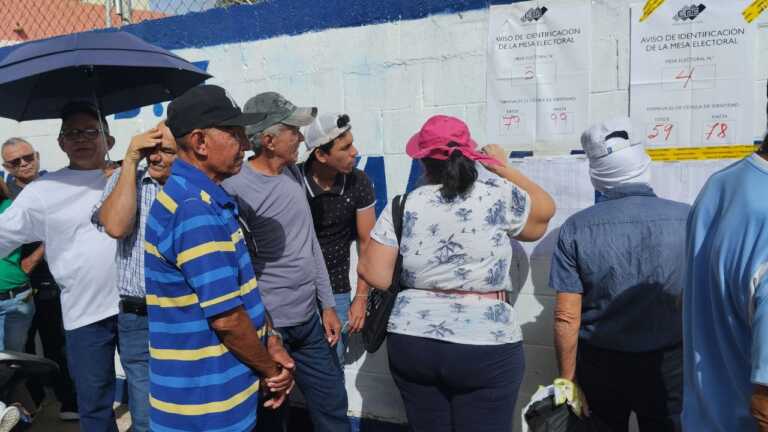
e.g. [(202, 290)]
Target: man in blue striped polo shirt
[(206, 319)]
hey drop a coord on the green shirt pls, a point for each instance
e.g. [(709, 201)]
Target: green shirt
[(11, 275)]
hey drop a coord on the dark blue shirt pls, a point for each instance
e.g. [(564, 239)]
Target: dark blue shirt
[(625, 255)]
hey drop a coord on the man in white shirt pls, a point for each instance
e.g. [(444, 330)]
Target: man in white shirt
[(56, 210)]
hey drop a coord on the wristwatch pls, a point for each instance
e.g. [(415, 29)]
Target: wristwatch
[(273, 332)]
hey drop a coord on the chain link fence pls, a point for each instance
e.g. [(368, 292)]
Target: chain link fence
[(26, 20)]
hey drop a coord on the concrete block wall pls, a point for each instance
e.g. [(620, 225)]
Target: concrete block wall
[(390, 66)]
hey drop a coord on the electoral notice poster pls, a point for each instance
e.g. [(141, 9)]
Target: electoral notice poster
[(538, 75), (691, 79)]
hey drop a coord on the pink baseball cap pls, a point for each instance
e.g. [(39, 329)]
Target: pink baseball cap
[(439, 131)]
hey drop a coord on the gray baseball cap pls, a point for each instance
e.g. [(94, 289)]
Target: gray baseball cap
[(277, 109), (609, 136)]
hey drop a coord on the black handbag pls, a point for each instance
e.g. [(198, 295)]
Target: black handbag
[(380, 302)]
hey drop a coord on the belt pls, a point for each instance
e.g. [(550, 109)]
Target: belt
[(14, 292), (133, 305), (493, 295)]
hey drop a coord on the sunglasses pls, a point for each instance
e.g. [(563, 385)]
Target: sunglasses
[(75, 133), (15, 163)]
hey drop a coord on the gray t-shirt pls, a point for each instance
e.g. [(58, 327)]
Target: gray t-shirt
[(288, 264)]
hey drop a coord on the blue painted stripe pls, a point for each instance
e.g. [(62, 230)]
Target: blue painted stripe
[(197, 325), (414, 178), (284, 17), (287, 17), (245, 424), (374, 169), (199, 381)]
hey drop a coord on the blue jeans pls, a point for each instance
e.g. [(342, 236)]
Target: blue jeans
[(319, 377), (91, 356), (342, 310), (15, 318), (134, 356)]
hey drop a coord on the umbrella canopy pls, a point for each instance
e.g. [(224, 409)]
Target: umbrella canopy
[(116, 70)]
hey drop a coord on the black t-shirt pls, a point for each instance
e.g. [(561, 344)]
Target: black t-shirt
[(40, 277), (334, 213)]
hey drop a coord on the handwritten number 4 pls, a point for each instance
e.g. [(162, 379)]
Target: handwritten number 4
[(688, 77)]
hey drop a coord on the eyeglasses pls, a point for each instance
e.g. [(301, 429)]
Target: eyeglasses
[(15, 163), (75, 133)]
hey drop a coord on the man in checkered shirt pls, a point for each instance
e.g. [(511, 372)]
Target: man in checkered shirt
[(122, 214)]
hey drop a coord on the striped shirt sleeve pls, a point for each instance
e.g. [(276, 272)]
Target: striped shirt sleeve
[(111, 183), (201, 245)]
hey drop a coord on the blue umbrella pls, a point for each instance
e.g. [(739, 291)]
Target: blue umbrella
[(116, 70)]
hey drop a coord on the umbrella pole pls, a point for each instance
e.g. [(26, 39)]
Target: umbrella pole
[(98, 114)]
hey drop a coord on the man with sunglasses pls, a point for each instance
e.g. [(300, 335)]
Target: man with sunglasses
[(23, 163), (56, 210), (16, 305), (122, 213)]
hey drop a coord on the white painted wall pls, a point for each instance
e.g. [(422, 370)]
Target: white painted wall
[(390, 78)]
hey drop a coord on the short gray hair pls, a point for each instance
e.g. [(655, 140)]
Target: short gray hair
[(273, 130), (14, 141), (255, 139)]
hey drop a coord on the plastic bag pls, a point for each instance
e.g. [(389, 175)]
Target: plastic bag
[(543, 414)]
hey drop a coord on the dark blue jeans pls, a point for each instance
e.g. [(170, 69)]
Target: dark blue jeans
[(319, 377), (455, 387), (617, 383), (134, 356), (91, 356), (342, 310)]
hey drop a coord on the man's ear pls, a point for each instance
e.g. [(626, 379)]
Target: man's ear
[(266, 142), (198, 142), (110, 142), (320, 155)]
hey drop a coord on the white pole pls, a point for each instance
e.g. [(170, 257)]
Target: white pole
[(107, 12)]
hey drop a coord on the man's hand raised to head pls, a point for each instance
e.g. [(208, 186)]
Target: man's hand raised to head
[(141, 144)]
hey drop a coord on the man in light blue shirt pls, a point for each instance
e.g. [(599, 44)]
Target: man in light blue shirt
[(725, 301)]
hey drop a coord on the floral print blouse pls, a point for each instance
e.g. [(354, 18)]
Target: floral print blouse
[(460, 245)]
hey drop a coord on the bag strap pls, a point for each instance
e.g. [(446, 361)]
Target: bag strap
[(398, 210)]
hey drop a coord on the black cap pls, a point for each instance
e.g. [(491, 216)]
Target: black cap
[(80, 106), (206, 106)]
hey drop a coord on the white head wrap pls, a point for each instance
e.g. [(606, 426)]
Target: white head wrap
[(615, 157)]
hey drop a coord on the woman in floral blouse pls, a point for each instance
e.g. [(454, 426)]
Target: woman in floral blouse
[(455, 346)]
